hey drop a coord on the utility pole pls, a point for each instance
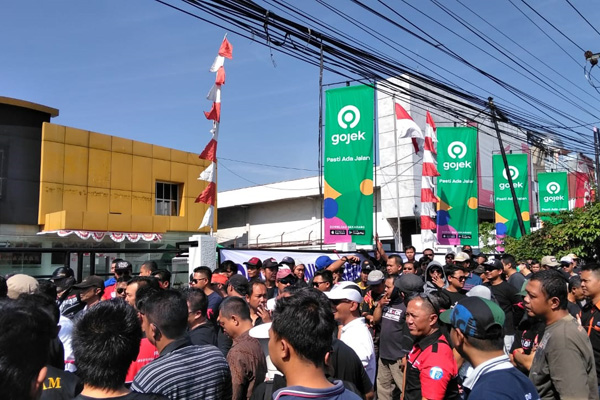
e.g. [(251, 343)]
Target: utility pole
[(494, 113)]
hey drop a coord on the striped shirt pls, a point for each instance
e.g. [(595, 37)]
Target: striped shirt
[(186, 372)]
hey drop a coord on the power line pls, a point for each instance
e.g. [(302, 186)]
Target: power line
[(582, 16)]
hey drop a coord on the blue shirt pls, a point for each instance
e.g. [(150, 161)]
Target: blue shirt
[(472, 280), (336, 392)]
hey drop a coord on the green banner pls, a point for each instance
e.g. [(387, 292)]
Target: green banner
[(348, 166), (457, 186), (553, 192), (506, 217)]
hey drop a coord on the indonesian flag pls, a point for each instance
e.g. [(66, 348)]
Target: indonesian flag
[(427, 193), (407, 127), (209, 218), (428, 197), (226, 49), (214, 113), (208, 195), (208, 174), (427, 223)]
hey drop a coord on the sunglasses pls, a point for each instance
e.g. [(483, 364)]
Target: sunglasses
[(316, 284), (120, 290), (460, 278), (490, 269)]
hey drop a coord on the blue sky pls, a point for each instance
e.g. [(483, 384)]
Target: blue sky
[(139, 70)]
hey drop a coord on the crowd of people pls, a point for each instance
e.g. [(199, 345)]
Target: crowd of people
[(469, 328)]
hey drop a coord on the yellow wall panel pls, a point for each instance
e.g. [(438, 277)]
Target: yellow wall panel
[(193, 159), (179, 156), (51, 199), (98, 200), (120, 172), (100, 141), (160, 223), (194, 186), (76, 165), (53, 132), (161, 153), (99, 168), (142, 149), (95, 221), (161, 170), (194, 213), (141, 223), (178, 172), (122, 145), (52, 162), (74, 198), (177, 224), (120, 201), (142, 203), (53, 221), (77, 137), (141, 175), (73, 220), (119, 223)]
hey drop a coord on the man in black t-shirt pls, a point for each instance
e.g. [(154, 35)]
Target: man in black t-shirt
[(456, 282)]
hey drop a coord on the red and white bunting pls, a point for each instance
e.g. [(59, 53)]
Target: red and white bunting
[(428, 198), (407, 127), (209, 194)]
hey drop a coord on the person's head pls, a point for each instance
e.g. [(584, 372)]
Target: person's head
[(219, 282), (567, 264), (394, 264), (428, 253), (345, 298), (237, 286), (323, 280), (197, 303), (121, 268), (48, 288), (284, 278), (389, 287), (546, 294), (298, 271), (257, 295), (303, 327), (24, 348), (288, 261), (63, 278), (234, 316), (20, 283), (449, 258), (481, 259), (508, 262), (136, 283), (365, 268), (253, 267), (164, 278), (410, 251), (106, 340), (549, 262), (148, 268), (121, 287), (201, 278), (535, 266), (523, 266), (90, 289), (476, 327), (376, 281), (164, 317), (467, 249), (462, 260), (408, 285), (269, 268), (456, 278), (421, 315), (229, 268), (113, 264), (409, 268), (590, 281), (338, 274), (493, 270), (434, 271), (575, 288)]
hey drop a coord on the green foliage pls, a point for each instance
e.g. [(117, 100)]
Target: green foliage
[(487, 237), (576, 231)]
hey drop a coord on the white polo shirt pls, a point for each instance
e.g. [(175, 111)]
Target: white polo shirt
[(357, 336)]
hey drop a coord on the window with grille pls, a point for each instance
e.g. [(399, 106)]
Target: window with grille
[(167, 199)]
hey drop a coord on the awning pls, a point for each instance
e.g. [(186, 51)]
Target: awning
[(98, 236)]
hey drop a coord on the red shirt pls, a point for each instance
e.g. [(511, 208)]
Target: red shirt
[(108, 292), (147, 354)]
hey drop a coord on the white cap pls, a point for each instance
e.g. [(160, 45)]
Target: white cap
[(261, 331), (480, 291), (345, 291), (566, 259)]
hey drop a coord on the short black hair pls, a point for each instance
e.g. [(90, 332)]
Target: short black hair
[(435, 301), (204, 271), (452, 269), (197, 300), (410, 248), (595, 268), (509, 259), (163, 275), (48, 288), (494, 340), (106, 340), (397, 259), (3, 287), (553, 284), (253, 283), (42, 301), (152, 266), (141, 294), (326, 275), (167, 309), (306, 322), (235, 306), (229, 266), (126, 279), (145, 281), (24, 345), (574, 282)]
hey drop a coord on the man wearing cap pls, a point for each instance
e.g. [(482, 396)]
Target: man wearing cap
[(463, 260), (253, 267), (365, 267), (237, 286), (90, 291), (568, 264), (269, 270), (563, 364), (506, 296), (510, 269), (549, 262), (376, 285), (122, 269), (289, 261), (324, 262), (346, 298), (284, 278), (476, 333)]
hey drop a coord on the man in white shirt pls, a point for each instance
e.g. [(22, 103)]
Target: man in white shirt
[(346, 298)]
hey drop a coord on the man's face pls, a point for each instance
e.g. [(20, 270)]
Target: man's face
[(480, 260), (419, 318), (253, 271), (578, 293), (364, 275), (89, 295), (391, 267), (147, 329), (408, 268), (535, 267), (590, 284), (568, 268), (337, 275), (113, 266), (228, 325), (299, 271), (274, 349), (319, 283), (457, 280), (535, 301), (130, 293), (228, 273), (492, 274), (258, 297), (144, 271), (429, 254), (506, 266), (410, 254), (199, 281), (435, 273), (120, 289), (389, 286), (449, 259), (378, 289), (270, 274), (342, 310)]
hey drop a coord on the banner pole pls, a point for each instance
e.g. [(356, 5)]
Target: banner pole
[(321, 197), (398, 230), (505, 161)]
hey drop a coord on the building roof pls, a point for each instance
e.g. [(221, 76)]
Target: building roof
[(304, 187), (27, 104)]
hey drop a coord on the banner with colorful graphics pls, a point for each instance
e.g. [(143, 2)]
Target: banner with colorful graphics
[(457, 186), (506, 217), (553, 192), (348, 165)]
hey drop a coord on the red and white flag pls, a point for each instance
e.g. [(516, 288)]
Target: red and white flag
[(428, 197), (407, 127)]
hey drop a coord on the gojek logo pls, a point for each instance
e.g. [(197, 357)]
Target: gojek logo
[(348, 117), (514, 174), (457, 150), (553, 188)]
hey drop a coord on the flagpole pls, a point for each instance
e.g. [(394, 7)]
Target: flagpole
[(375, 144), (320, 161), (398, 231)]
